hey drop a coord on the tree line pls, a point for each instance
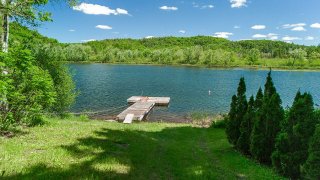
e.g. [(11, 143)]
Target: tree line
[(289, 140), (198, 50)]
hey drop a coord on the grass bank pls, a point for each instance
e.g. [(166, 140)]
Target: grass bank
[(83, 149)]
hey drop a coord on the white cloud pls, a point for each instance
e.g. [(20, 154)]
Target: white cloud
[(148, 37), (182, 31), (309, 38), (88, 40), (121, 11), (236, 27), (286, 26), (270, 36), (168, 8), (315, 25), (210, 6), (298, 28), (223, 34), (71, 30), (96, 9), (258, 27), (289, 38), (206, 6), (273, 36), (238, 3), (256, 36), (105, 27)]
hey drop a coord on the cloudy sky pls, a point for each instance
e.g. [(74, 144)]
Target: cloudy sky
[(295, 21)]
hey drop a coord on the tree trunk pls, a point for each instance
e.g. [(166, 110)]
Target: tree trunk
[(5, 33), (4, 29)]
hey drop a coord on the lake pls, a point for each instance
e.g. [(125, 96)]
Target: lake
[(105, 88)]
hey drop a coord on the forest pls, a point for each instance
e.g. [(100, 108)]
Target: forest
[(199, 51)]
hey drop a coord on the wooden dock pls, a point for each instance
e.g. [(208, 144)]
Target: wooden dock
[(141, 106)]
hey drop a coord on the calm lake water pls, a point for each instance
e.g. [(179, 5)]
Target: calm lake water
[(106, 88)]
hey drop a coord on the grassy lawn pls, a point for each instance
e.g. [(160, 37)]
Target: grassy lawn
[(83, 149)]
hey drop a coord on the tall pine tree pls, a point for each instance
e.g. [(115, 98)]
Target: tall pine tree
[(311, 169), (243, 143), (237, 111), (292, 142), (259, 100), (267, 124)]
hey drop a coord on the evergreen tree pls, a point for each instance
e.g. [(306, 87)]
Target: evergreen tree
[(231, 119), (237, 112), (292, 142), (267, 124), (259, 100), (311, 168), (269, 88), (243, 143)]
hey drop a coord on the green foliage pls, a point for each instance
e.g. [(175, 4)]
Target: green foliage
[(77, 52), (221, 124), (267, 123), (49, 58), (292, 142), (311, 168), (231, 120), (298, 55), (31, 89), (237, 111), (198, 50), (253, 56), (243, 143)]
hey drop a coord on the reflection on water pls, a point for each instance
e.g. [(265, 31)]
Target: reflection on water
[(106, 88)]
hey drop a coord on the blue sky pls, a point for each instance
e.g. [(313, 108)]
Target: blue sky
[(295, 21)]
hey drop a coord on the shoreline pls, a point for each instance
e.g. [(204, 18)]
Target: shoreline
[(236, 67)]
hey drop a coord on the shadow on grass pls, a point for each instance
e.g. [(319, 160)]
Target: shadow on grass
[(173, 153)]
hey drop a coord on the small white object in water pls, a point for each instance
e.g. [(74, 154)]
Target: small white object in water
[(209, 92)]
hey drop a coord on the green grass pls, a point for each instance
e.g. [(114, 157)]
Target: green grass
[(84, 149)]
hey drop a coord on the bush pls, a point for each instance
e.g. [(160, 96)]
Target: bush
[(49, 58), (31, 90), (221, 124)]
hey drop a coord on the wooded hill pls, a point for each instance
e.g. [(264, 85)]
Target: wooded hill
[(198, 50)]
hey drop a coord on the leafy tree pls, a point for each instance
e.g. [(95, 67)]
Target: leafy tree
[(22, 11), (298, 55), (239, 108), (79, 52), (243, 143), (31, 90), (313, 56), (50, 58), (311, 168), (292, 142), (253, 56)]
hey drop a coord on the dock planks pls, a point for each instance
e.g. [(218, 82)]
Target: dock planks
[(157, 100), (141, 106)]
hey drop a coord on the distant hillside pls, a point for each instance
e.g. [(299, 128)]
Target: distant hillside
[(22, 36), (266, 47), (198, 50)]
